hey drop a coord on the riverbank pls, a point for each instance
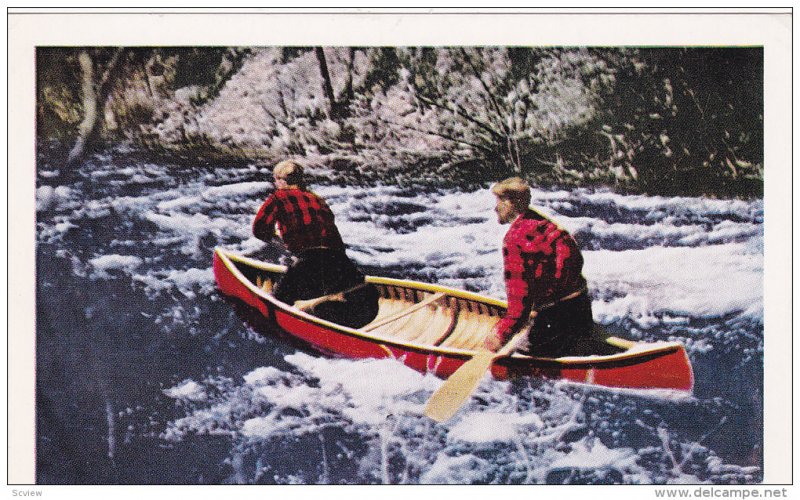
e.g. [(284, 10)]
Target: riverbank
[(627, 119)]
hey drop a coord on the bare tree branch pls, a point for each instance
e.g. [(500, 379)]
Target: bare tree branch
[(462, 114), (443, 135), (488, 92)]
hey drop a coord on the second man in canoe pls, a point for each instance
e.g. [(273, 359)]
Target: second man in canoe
[(543, 274), (320, 268)]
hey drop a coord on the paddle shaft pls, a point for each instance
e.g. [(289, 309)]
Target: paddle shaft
[(456, 390)]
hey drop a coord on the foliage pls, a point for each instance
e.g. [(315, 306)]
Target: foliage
[(58, 96), (148, 84), (659, 120), (686, 120)]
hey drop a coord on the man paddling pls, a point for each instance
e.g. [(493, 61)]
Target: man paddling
[(542, 270), (320, 268)]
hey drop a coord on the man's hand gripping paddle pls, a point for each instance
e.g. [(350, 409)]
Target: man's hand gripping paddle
[(456, 390)]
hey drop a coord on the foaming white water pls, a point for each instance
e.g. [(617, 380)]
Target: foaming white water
[(657, 206), (351, 393), (105, 263), (692, 259), (654, 394), (593, 454), (491, 426), (700, 282), (666, 231), (716, 269), (49, 198), (536, 435), (185, 281), (189, 390)]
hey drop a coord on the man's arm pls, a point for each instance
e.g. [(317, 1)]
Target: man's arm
[(516, 317), (520, 302), (264, 223)]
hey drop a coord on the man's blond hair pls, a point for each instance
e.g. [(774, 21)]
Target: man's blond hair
[(515, 189), (291, 171)]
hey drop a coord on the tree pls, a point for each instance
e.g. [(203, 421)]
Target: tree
[(686, 120), (504, 105), (86, 94), (95, 90), (327, 87)]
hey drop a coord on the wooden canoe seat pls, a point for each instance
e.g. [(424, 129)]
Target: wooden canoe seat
[(264, 284)]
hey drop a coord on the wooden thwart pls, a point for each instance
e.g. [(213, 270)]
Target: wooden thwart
[(621, 343), (310, 304)]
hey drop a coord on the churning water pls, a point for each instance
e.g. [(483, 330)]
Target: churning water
[(145, 374)]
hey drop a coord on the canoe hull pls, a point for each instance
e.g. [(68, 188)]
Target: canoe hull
[(661, 367)]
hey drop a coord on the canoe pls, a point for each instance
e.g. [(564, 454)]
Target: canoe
[(435, 329)]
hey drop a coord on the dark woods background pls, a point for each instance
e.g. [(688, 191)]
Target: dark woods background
[(671, 121)]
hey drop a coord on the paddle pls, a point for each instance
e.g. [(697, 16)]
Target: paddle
[(454, 392), (310, 304)]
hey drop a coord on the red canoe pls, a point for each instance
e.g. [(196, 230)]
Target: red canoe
[(432, 328)]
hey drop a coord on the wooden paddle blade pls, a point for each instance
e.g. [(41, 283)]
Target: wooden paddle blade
[(456, 390)]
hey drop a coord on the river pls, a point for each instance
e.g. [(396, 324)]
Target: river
[(145, 374)]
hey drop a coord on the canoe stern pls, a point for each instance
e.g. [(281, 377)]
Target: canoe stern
[(667, 367)]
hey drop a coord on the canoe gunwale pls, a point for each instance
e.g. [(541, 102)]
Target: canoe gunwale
[(231, 259)]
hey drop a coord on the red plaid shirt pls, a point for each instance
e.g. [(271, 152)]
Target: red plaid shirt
[(542, 265), (303, 219)]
